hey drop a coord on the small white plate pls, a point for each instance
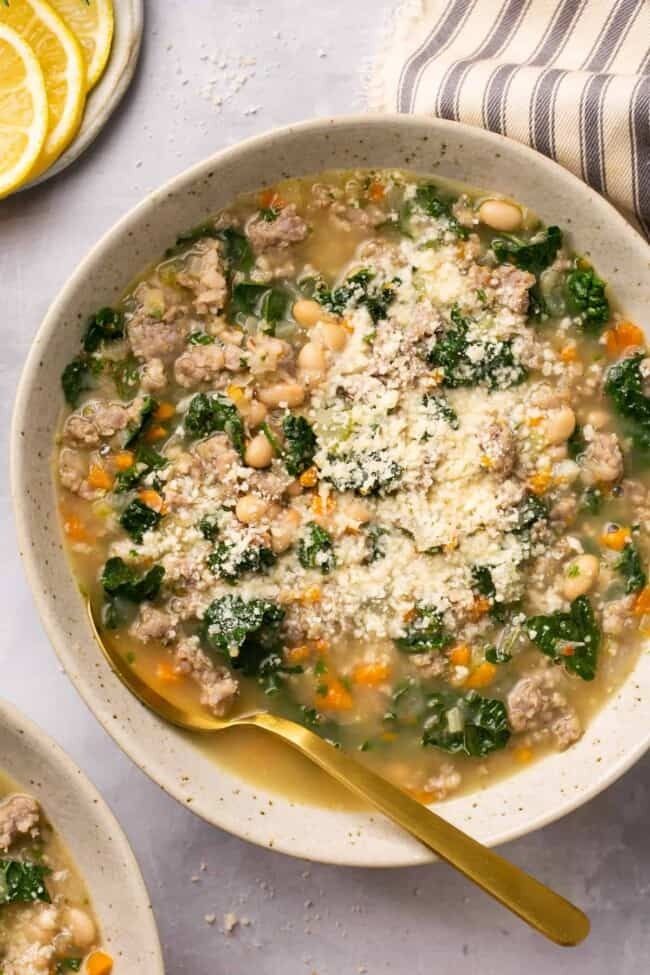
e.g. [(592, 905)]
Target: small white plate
[(98, 846), (107, 93)]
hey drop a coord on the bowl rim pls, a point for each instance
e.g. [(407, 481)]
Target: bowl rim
[(50, 754), (164, 778)]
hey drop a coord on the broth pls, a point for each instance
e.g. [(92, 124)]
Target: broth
[(370, 452)]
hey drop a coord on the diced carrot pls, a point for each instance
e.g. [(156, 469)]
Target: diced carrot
[(152, 499), (482, 676), (616, 539), (297, 655), (124, 459), (336, 697), (312, 594), (523, 755), (164, 412), (569, 352), (410, 614), (317, 504), (371, 675), (480, 607), (624, 335), (270, 198), (155, 433), (236, 393), (486, 462), (309, 477), (568, 650), (422, 795), (165, 672), (376, 191), (460, 655), (99, 963), (642, 602), (99, 478), (540, 482), (75, 529), (533, 421)]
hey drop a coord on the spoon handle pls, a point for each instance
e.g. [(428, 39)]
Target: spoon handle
[(542, 908)]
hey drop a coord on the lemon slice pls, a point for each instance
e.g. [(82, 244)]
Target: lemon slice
[(91, 21), (23, 109), (62, 64)]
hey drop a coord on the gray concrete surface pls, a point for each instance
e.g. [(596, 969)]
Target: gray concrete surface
[(304, 918)]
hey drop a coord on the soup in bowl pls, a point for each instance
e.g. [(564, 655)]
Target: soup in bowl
[(364, 447)]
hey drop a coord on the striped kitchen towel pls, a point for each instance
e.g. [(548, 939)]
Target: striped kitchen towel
[(569, 77)]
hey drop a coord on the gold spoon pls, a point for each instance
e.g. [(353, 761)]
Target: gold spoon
[(537, 905)]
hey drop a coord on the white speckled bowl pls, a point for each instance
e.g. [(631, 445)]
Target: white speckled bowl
[(537, 795), (98, 846)]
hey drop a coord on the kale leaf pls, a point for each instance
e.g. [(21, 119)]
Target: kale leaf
[(592, 500), (68, 965), (229, 566), (358, 289), (586, 299), (22, 882), (209, 527), (471, 363), (138, 518), (138, 427), (471, 724), (106, 325), (126, 376), (236, 247), (213, 413), (572, 638), (119, 579), (576, 444), (366, 473), (631, 568), (530, 511), (300, 444), (316, 550), (246, 631), (532, 255), (258, 299), (75, 379), (200, 338), (425, 632), (374, 547), (483, 584), (497, 655), (441, 407), (146, 460), (428, 198), (625, 387)]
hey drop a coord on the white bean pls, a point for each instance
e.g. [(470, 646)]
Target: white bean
[(335, 337), (256, 413), (312, 358), (250, 509), (307, 312), (82, 927), (559, 425), (500, 215), (580, 576), (291, 394), (259, 452)]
